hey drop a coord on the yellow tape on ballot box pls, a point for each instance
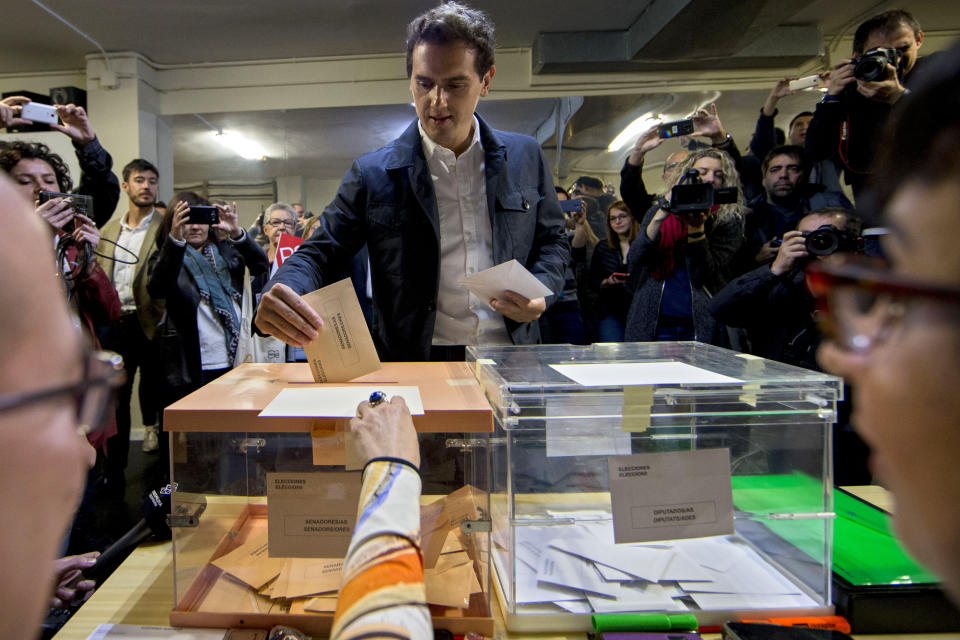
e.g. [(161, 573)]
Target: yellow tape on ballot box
[(637, 402)]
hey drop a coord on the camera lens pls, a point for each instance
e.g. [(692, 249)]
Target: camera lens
[(822, 242), (870, 69)]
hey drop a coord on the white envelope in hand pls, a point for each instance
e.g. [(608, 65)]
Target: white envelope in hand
[(491, 283)]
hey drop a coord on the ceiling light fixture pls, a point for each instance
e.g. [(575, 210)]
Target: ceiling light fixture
[(240, 144), (633, 130)]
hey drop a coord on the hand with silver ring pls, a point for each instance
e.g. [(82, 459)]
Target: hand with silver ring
[(385, 430)]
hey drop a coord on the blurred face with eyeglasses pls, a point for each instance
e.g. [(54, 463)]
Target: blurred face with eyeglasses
[(673, 160), (279, 221), (896, 339), (43, 459)]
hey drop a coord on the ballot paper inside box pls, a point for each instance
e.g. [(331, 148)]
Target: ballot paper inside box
[(661, 478), (281, 503)]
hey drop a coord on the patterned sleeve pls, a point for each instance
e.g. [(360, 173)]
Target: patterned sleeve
[(382, 592)]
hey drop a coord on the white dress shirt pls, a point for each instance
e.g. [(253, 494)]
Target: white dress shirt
[(131, 239), (466, 244)]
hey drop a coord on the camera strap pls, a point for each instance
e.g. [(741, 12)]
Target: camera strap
[(843, 147)]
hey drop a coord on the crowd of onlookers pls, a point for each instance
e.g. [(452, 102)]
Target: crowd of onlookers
[(165, 290)]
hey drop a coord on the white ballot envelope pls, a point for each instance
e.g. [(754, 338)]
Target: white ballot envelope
[(493, 282)]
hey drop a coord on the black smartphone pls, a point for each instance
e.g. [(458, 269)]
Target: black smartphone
[(571, 206), (674, 129), (81, 204), (200, 214), (763, 631)]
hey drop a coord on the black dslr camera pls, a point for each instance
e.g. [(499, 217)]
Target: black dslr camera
[(873, 64), (826, 240), (692, 195)]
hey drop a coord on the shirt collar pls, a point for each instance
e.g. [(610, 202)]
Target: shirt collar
[(430, 148), (143, 223)]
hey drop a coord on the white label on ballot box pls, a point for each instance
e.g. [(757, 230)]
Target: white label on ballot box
[(672, 495), (311, 515)]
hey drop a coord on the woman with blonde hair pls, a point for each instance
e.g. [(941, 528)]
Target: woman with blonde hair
[(679, 260)]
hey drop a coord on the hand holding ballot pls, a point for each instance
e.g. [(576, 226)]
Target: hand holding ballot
[(518, 308), (385, 431), (285, 315), (510, 290)]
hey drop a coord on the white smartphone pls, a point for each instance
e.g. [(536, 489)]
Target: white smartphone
[(36, 112), (804, 83)]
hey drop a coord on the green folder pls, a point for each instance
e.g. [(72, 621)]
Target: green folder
[(865, 551)]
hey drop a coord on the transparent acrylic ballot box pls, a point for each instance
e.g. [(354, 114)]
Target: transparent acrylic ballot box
[(562, 412), (264, 506)]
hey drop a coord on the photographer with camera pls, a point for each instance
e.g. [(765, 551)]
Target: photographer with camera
[(96, 177), (632, 188), (35, 169), (772, 302), (684, 250), (862, 91), (787, 197), (777, 310)]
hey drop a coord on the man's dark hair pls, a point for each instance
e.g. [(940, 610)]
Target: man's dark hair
[(792, 150), (589, 181), (454, 22), (560, 190), (12, 153), (885, 22), (851, 223), (799, 115), (139, 165)]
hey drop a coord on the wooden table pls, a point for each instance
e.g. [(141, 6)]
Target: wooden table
[(140, 592)]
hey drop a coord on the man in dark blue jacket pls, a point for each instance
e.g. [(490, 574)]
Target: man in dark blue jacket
[(448, 198)]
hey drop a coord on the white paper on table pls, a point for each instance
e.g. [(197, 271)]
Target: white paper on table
[(750, 575), (647, 597), (683, 567), (135, 632), (719, 554), (576, 606), (528, 552), (559, 568), (624, 374), (529, 590), (614, 575), (511, 275), (642, 562), (335, 401), (741, 601), (568, 435)]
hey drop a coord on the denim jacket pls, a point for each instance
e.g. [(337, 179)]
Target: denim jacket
[(387, 201)]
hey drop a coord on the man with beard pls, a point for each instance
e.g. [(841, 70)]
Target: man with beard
[(787, 197), (129, 240)]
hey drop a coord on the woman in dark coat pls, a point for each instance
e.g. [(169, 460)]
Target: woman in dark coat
[(678, 262), (201, 280), (609, 270)]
